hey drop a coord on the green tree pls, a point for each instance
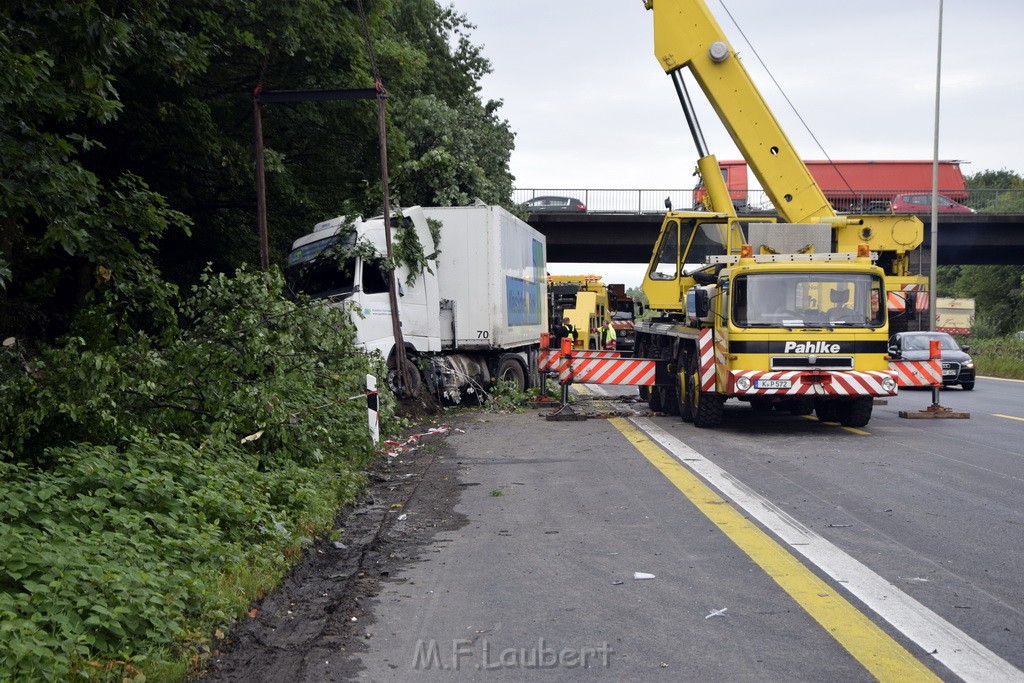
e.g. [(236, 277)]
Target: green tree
[(996, 191), (64, 226), (998, 293), (141, 113)]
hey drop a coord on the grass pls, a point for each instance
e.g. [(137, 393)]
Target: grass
[(997, 356)]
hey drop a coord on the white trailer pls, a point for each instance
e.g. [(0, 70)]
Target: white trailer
[(473, 316)]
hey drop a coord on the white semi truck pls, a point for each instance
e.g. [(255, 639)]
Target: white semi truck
[(475, 312)]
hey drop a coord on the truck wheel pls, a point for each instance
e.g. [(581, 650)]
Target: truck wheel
[(827, 411), (414, 379), (855, 412), (683, 388), (801, 405), (707, 407), (640, 351), (654, 400), (670, 400), (510, 369)]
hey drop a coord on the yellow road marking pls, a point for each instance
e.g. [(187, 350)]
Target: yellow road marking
[(1001, 379), (836, 424), (1009, 417), (882, 656)]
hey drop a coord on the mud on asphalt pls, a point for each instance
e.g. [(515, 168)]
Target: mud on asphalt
[(323, 610)]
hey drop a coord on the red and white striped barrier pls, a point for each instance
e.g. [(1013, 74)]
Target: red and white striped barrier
[(706, 353), (547, 360), (917, 373), (896, 302), (607, 370), (804, 383), (594, 367)]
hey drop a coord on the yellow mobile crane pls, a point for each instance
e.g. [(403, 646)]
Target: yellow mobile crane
[(788, 316)]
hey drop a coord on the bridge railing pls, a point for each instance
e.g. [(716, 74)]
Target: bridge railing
[(653, 201), (614, 200)]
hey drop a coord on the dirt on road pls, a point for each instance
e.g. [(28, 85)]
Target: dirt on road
[(313, 627)]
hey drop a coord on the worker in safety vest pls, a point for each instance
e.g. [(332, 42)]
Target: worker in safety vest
[(608, 336), (567, 329)]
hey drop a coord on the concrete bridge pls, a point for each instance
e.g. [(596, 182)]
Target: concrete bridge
[(607, 237)]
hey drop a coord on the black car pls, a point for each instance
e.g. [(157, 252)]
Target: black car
[(957, 366), (539, 204)]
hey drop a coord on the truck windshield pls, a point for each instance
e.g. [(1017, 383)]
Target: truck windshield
[(808, 300), (321, 269)]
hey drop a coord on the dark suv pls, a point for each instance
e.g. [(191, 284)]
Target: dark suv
[(957, 366), (538, 204)]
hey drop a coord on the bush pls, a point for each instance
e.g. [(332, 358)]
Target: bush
[(997, 356), (153, 483)]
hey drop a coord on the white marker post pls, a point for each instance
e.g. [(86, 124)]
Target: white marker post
[(371, 408)]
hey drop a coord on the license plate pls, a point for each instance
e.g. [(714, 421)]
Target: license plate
[(772, 384), (948, 372)]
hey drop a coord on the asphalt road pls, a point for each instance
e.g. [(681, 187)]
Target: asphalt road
[(781, 548)]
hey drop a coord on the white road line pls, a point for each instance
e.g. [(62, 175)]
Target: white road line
[(964, 656)]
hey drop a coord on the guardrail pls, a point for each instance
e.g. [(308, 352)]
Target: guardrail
[(653, 200)]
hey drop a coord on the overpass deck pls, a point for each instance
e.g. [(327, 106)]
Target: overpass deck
[(598, 237)]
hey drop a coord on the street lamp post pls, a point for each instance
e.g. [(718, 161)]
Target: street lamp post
[(934, 255)]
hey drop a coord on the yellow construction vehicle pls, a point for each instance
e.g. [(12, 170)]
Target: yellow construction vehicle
[(583, 299), (789, 316)]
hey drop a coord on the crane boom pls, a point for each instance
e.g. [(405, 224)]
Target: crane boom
[(686, 35)]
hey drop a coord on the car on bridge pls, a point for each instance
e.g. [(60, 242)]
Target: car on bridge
[(922, 203), (551, 203), (957, 365)]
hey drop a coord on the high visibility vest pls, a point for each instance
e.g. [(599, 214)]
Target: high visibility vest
[(609, 334), (570, 331)]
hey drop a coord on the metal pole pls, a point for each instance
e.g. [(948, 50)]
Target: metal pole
[(402, 369), (933, 275), (261, 183), (688, 112)]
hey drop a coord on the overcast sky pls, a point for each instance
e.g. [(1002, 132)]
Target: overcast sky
[(592, 108)]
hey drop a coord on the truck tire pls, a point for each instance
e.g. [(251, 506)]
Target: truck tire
[(685, 405), (826, 411), (670, 400), (800, 405), (654, 400), (415, 380), (510, 369), (707, 407), (855, 412), (640, 351)]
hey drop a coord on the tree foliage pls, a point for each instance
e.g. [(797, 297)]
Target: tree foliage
[(999, 191), (144, 473), (998, 291), (169, 431), (126, 134)]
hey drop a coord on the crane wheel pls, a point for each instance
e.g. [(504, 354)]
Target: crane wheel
[(707, 407)]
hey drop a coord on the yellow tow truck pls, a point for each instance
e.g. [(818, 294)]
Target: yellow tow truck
[(789, 315), (583, 299)]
